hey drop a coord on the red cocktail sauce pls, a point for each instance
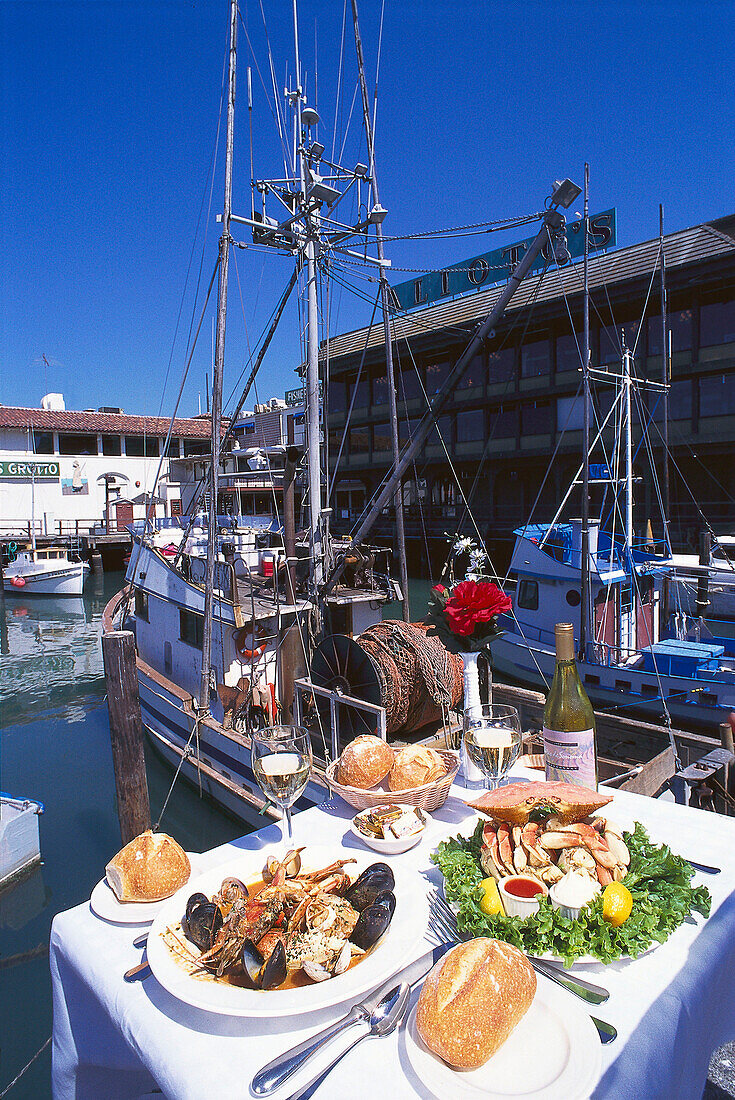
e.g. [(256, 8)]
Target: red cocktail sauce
[(523, 887)]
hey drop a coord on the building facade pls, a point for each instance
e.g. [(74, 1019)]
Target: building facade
[(75, 471), (509, 440)]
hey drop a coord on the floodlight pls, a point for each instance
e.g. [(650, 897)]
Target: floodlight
[(377, 215), (564, 193), (360, 169), (317, 150), (323, 192)]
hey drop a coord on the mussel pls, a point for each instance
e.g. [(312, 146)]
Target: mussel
[(387, 899), (195, 899), (262, 974), (374, 880), (201, 923), (371, 925)]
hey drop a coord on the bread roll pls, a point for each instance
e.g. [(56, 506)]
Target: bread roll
[(473, 999), (364, 762), (415, 766), (149, 868)]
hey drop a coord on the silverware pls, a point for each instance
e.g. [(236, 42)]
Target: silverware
[(446, 923), (385, 1019), (588, 991), (278, 1071), (137, 973), (141, 941), (704, 867)]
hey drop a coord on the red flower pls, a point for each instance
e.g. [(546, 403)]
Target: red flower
[(475, 602), (440, 589)]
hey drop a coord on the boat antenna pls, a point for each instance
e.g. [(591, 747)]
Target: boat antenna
[(219, 356), (665, 379), (585, 610), (309, 118), (385, 300)]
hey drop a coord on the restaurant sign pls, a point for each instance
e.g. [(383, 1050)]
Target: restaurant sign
[(498, 265), (39, 471)]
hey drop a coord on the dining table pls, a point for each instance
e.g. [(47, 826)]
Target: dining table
[(672, 1007)]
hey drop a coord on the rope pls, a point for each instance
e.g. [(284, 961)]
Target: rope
[(17, 1078), (184, 755), (419, 678)]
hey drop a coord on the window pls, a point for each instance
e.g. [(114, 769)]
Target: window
[(334, 440), (195, 447), (141, 605), (680, 402), (337, 397), (174, 448), (568, 352), (504, 422), (527, 595), (445, 491), (535, 359), (381, 438), (409, 386), (134, 446), (679, 324), (191, 628), (573, 598), (43, 443), (717, 324), (570, 413), (436, 375), (380, 390), (442, 431), (362, 394), (717, 395), (536, 418), (111, 445), (474, 375), (77, 444), (470, 426), (359, 443), (406, 430), (248, 429), (611, 341), (501, 365)]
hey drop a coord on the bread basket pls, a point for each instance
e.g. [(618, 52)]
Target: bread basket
[(429, 797)]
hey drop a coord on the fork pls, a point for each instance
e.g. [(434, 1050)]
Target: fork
[(445, 924)]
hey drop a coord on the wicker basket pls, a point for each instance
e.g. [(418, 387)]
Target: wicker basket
[(429, 797)]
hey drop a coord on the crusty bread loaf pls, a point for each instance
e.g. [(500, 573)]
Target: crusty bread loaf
[(415, 766), (364, 762), (149, 868), (473, 999)]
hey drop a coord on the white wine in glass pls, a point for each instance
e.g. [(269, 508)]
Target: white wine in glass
[(281, 758), (492, 737)]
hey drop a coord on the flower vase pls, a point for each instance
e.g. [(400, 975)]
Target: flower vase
[(473, 697)]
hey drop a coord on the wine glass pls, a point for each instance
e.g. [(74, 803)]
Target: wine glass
[(281, 759), (492, 738)]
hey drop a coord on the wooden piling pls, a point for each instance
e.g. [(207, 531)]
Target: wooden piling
[(126, 733)]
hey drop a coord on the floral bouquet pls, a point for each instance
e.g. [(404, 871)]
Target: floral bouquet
[(466, 616)]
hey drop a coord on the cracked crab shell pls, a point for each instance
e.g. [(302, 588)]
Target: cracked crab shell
[(516, 802)]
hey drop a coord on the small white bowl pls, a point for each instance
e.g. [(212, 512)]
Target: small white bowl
[(570, 911), (394, 846), (516, 906)]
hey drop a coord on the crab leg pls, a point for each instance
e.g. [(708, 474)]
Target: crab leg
[(505, 847), (520, 859), (575, 836), (530, 833)]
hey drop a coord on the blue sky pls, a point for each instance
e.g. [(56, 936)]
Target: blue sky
[(109, 113)]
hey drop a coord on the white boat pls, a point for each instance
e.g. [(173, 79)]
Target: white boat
[(45, 573), (720, 576), (20, 847)]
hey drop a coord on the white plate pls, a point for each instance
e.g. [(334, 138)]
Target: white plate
[(554, 1052), (103, 902), (399, 945)]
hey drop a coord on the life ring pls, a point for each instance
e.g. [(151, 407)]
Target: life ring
[(243, 638), (18, 582)]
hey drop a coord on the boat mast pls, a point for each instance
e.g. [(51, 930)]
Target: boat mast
[(33, 511), (385, 299), (665, 372), (585, 616), (219, 357), (313, 448)]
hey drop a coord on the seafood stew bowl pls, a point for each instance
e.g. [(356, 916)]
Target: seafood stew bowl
[(399, 945)]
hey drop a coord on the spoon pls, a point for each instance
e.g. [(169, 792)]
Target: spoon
[(385, 1018)]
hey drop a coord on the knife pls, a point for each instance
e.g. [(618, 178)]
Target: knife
[(271, 1076)]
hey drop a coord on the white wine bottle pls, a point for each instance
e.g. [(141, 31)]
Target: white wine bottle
[(569, 721)]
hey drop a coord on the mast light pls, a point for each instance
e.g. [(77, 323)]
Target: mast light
[(564, 193)]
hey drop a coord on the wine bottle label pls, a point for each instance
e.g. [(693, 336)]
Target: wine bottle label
[(570, 757)]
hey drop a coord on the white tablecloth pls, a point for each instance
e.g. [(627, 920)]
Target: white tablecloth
[(672, 1007)]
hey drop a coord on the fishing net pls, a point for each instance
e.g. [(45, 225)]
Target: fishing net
[(420, 680)]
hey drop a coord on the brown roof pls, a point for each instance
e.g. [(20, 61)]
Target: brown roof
[(42, 420)]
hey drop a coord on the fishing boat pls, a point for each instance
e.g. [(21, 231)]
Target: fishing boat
[(634, 655), (226, 611), (716, 566), (48, 572)]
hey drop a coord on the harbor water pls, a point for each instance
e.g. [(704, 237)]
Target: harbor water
[(55, 747)]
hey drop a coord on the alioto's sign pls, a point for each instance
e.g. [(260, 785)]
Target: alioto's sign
[(40, 471), (496, 266)]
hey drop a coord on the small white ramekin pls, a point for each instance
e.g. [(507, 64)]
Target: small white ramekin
[(570, 911), (520, 907)]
